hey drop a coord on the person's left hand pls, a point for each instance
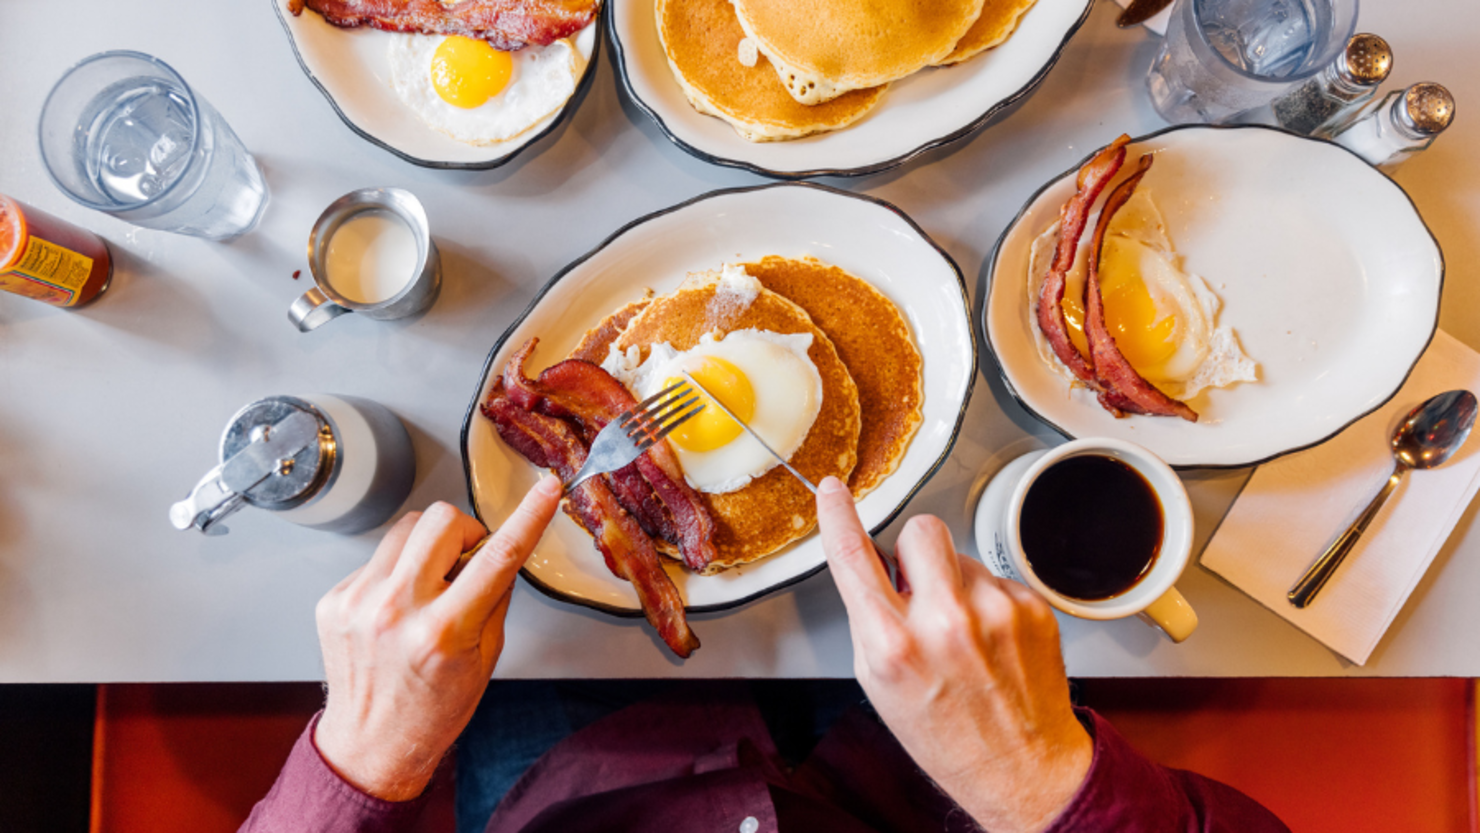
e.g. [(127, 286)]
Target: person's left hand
[(406, 654)]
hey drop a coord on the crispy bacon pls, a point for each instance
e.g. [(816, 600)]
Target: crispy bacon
[(505, 24), (552, 443), (1072, 218), (1119, 404), (627, 483), (1121, 387), (653, 488)]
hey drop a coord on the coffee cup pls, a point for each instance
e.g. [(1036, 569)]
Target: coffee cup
[(370, 252), (1106, 533)]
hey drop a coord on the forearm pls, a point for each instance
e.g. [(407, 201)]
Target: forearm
[(309, 797), (1037, 783)]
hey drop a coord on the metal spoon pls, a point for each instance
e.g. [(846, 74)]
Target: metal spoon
[(1427, 438)]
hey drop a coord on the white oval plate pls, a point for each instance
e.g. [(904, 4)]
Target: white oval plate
[(351, 69), (926, 110), (865, 236), (1327, 272)]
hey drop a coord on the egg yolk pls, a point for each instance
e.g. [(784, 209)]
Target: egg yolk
[(466, 72), (711, 429), (1142, 334)]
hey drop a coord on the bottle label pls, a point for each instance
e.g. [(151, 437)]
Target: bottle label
[(48, 272)]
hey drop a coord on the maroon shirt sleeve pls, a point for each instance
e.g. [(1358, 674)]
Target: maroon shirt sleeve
[(1123, 791), (309, 797), (1127, 793)]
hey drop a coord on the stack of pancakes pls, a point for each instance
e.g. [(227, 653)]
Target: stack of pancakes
[(871, 384), (783, 69)]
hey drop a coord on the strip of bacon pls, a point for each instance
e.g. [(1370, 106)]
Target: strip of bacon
[(1072, 218), (653, 488), (505, 24), (627, 483), (1119, 405), (1121, 387), (552, 443)]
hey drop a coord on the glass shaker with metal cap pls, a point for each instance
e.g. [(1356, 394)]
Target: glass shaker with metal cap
[(338, 463), (1402, 124), (1330, 98)]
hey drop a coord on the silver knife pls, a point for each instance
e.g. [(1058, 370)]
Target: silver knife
[(891, 566)]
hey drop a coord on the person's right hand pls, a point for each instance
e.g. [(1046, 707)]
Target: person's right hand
[(964, 668), (407, 654)]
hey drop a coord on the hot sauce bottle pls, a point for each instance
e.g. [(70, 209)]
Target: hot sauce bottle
[(49, 259)]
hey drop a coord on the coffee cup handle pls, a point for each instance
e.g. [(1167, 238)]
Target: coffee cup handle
[(1172, 615), (312, 309)]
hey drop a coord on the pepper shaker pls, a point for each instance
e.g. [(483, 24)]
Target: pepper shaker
[(1402, 124), (337, 463), (1324, 103)]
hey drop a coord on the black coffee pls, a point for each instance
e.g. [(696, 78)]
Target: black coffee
[(1091, 527)]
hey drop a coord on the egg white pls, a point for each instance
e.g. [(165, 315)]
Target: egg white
[(1207, 355), (544, 78), (788, 398)]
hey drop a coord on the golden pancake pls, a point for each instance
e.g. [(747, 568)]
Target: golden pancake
[(874, 341), (823, 48), (702, 41), (598, 340), (997, 21), (774, 509)]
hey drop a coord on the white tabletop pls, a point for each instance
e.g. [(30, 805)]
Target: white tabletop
[(109, 414)]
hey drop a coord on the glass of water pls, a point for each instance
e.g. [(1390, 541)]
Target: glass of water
[(1222, 57), (123, 133)]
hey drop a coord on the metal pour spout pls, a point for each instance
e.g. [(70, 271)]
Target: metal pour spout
[(223, 489)]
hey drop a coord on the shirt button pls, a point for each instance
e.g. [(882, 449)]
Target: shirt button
[(750, 825)]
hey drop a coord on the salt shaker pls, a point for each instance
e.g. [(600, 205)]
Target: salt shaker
[(337, 463), (1400, 125), (1333, 95)]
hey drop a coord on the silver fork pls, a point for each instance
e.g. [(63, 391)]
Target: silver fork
[(623, 440), (638, 429)]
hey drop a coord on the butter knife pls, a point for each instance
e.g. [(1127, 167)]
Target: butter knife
[(1139, 11), (891, 566)]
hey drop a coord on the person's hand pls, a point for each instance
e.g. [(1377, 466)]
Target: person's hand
[(965, 669), (406, 654)]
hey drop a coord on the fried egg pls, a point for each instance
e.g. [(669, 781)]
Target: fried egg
[(765, 378), (1163, 319), (477, 94)]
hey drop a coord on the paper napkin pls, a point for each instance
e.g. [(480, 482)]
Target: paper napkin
[(1157, 22), (1294, 507)]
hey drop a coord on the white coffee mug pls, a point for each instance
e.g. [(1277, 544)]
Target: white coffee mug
[(1153, 598)]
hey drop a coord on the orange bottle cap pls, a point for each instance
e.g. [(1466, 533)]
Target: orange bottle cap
[(12, 232)]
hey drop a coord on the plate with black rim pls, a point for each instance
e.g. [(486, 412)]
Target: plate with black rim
[(931, 108), (351, 68), (1327, 274), (866, 236)]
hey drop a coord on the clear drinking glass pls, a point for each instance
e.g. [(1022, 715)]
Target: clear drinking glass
[(123, 133), (1222, 57)]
